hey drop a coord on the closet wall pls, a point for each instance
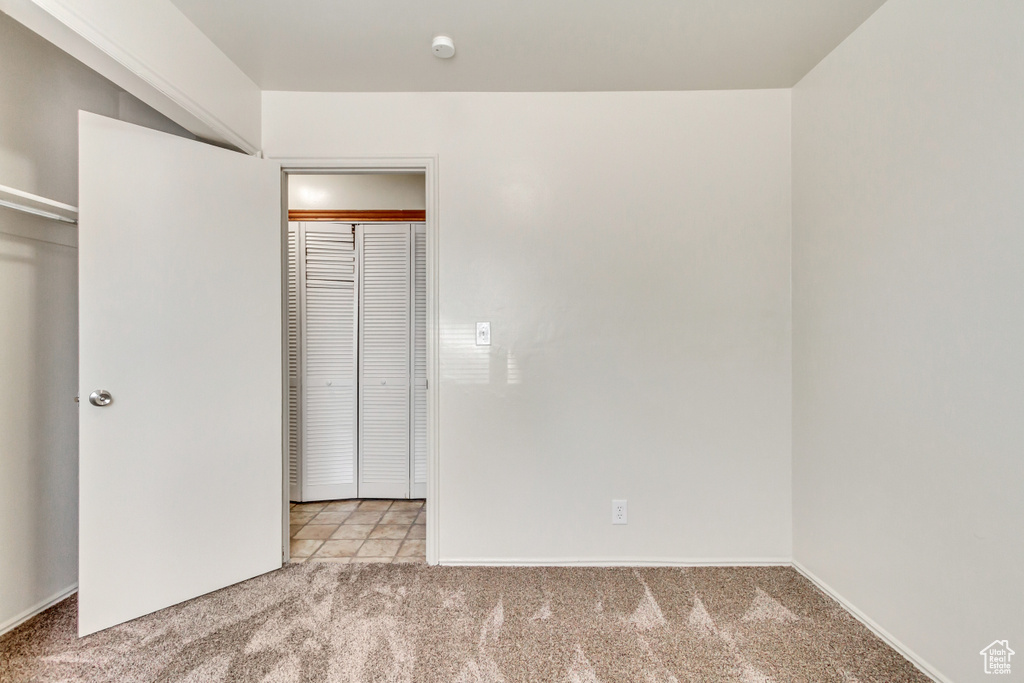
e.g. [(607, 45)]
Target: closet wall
[(358, 191)]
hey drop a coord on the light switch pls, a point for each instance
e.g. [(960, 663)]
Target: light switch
[(483, 334)]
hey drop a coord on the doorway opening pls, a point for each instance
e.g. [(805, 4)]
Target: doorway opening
[(357, 345)]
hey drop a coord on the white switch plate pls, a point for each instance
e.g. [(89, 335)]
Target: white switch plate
[(618, 512), (483, 334)]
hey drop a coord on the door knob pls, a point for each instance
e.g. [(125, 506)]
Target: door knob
[(100, 398)]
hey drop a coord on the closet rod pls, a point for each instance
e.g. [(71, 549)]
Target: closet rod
[(38, 206)]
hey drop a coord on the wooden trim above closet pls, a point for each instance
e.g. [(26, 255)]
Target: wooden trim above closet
[(359, 216)]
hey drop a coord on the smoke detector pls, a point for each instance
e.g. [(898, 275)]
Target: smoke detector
[(444, 47)]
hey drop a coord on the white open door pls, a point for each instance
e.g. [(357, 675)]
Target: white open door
[(181, 475)]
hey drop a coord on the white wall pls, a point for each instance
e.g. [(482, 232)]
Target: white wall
[(632, 253), (357, 191), (908, 157), (42, 90)]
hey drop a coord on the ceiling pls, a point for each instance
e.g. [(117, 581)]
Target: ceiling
[(527, 45)]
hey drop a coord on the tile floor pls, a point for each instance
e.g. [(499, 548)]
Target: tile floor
[(388, 531)]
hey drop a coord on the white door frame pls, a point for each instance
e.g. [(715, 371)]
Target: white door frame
[(426, 164)]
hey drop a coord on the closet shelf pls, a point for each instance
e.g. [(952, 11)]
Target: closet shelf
[(38, 206)]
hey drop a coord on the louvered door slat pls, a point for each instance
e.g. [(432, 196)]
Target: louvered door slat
[(385, 342), (330, 306)]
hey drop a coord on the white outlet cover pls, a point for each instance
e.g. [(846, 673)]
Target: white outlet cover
[(618, 512), (483, 334)]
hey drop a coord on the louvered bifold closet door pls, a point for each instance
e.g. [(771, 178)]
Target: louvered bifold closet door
[(385, 359), (419, 362), (330, 305), (294, 366)]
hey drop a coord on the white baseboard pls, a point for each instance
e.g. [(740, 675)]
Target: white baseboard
[(908, 654), (616, 562), (19, 619)]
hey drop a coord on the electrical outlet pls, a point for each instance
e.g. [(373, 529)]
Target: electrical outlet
[(618, 512)]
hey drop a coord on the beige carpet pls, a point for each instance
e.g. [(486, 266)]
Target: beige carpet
[(325, 622)]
